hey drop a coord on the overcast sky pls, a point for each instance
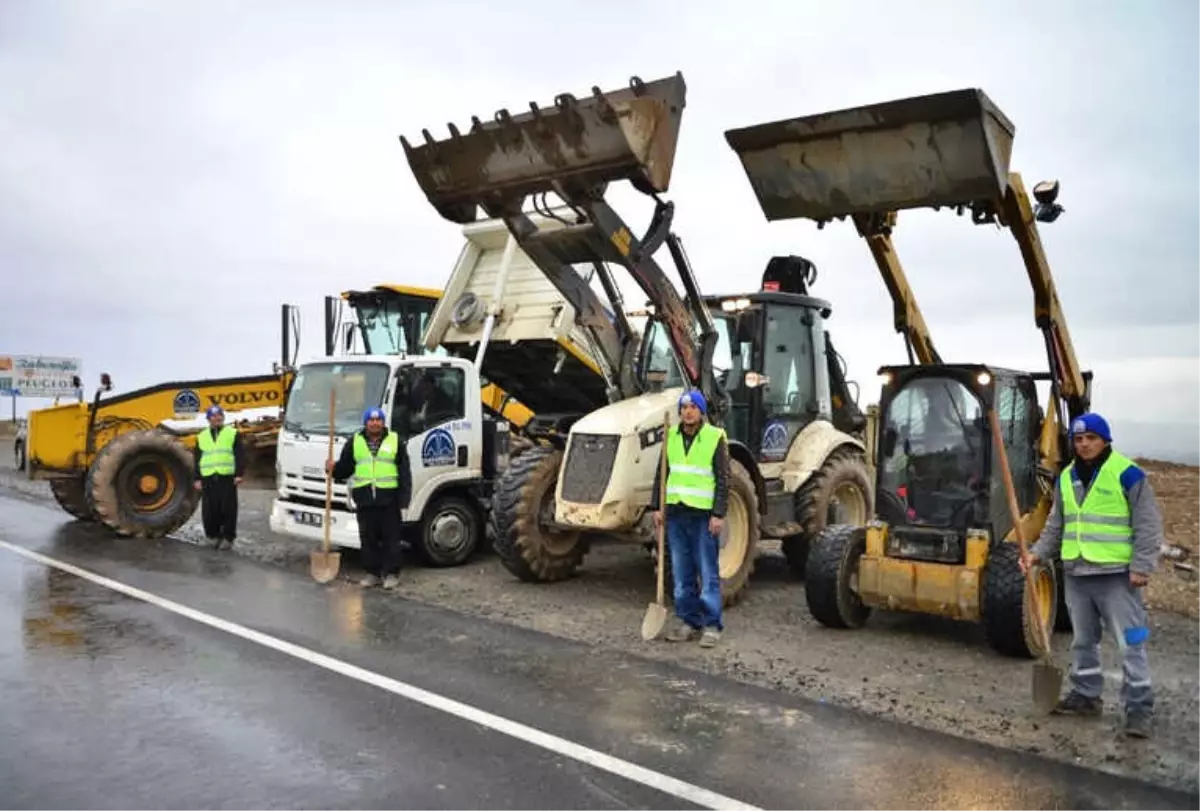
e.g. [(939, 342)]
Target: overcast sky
[(165, 162)]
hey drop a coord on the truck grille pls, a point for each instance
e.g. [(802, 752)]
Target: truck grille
[(588, 466)]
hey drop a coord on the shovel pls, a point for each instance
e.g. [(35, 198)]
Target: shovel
[(656, 613), (325, 564), (1047, 677)]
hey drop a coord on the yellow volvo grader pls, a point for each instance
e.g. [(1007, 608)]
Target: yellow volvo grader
[(762, 357), (944, 542)]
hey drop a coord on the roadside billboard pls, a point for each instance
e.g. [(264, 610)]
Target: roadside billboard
[(39, 376)]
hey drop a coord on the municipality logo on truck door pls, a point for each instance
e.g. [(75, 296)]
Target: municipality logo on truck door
[(438, 449)]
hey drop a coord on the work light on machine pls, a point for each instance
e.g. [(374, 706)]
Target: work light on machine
[(734, 305), (1045, 193)]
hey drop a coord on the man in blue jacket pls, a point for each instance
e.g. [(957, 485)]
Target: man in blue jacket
[(1106, 526)]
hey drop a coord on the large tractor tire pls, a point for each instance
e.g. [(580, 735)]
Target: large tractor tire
[(449, 532), (523, 500), (71, 495), (830, 586), (736, 559), (839, 492), (140, 485), (1007, 601)]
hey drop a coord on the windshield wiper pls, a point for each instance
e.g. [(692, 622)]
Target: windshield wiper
[(296, 428)]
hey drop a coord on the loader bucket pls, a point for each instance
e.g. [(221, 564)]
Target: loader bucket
[(945, 149), (574, 144)]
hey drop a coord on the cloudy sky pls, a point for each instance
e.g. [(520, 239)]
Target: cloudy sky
[(165, 162)]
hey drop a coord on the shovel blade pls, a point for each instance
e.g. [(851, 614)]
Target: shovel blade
[(654, 621), (325, 565), (1047, 686)]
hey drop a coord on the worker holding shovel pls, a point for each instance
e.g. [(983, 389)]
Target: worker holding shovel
[(697, 491), (1106, 526), (376, 459)]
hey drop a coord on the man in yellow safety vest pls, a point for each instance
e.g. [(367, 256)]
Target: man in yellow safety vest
[(1106, 526), (377, 461), (220, 465), (697, 494)]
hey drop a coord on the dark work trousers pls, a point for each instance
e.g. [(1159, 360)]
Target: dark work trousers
[(219, 510), (379, 534)]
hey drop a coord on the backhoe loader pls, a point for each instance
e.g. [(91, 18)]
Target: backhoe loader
[(762, 358), (944, 542)]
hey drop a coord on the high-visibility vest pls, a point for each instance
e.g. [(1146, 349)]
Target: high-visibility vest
[(377, 470), (1100, 529), (690, 478), (216, 455)]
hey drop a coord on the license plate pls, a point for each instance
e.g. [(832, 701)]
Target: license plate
[(307, 519)]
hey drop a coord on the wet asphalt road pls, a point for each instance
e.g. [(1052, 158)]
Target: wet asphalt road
[(109, 701)]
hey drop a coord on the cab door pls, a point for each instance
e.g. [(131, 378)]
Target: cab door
[(429, 412)]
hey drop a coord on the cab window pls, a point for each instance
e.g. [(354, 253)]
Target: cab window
[(427, 398)]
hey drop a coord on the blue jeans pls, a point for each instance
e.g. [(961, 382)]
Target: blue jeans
[(694, 554)]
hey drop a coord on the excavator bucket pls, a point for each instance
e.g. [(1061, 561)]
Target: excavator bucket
[(575, 144), (946, 149)]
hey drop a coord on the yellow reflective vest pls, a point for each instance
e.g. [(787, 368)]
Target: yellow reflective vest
[(216, 455), (1100, 530)]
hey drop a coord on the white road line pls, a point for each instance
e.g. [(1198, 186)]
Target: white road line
[(623, 768)]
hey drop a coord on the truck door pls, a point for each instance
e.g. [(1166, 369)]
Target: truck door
[(429, 413)]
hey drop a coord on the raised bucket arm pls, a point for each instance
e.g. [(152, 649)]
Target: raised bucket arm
[(574, 149)]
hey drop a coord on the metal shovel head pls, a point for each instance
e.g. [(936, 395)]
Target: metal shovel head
[(944, 149), (575, 143), (654, 621), (324, 565), (1047, 685)]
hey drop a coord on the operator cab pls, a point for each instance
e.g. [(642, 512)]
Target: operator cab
[(773, 360), (390, 320), (937, 475)]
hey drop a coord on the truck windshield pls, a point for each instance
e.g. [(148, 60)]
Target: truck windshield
[(358, 387), (933, 452)]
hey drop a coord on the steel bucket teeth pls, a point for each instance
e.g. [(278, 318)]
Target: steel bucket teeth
[(947, 149), (569, 147)]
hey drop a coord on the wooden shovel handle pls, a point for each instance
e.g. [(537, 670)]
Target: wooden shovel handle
[(329, 476), (662, 506), (1015, 511)]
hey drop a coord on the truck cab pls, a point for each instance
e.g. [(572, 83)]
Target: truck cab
[(453, 449)]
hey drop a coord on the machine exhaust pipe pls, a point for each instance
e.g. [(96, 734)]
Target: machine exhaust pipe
[(568, 148), (947, 149)]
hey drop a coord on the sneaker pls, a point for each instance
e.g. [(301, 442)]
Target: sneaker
[(710, 637), (682, 632), (1077, 704), (1137, 724), (368, 580), (391, 581)]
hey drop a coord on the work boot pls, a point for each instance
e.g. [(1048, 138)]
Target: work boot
[(1077, 704), (710, 637), (391, 581), (368, 580), (1137, 724), (682, 632)]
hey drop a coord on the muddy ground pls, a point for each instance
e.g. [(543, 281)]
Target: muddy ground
[(936, 674)]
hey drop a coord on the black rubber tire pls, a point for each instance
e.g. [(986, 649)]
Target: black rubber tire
[(523, 546), (71, 495), (831, 561), (453, 507), (110, 485), (19, 455), (1005, 623), (844, 465)]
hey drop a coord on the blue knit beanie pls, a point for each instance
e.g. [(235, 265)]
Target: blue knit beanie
[(694, 397), (1092, 423), (376, 413)]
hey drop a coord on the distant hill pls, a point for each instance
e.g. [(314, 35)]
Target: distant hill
[(1170, 442)]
